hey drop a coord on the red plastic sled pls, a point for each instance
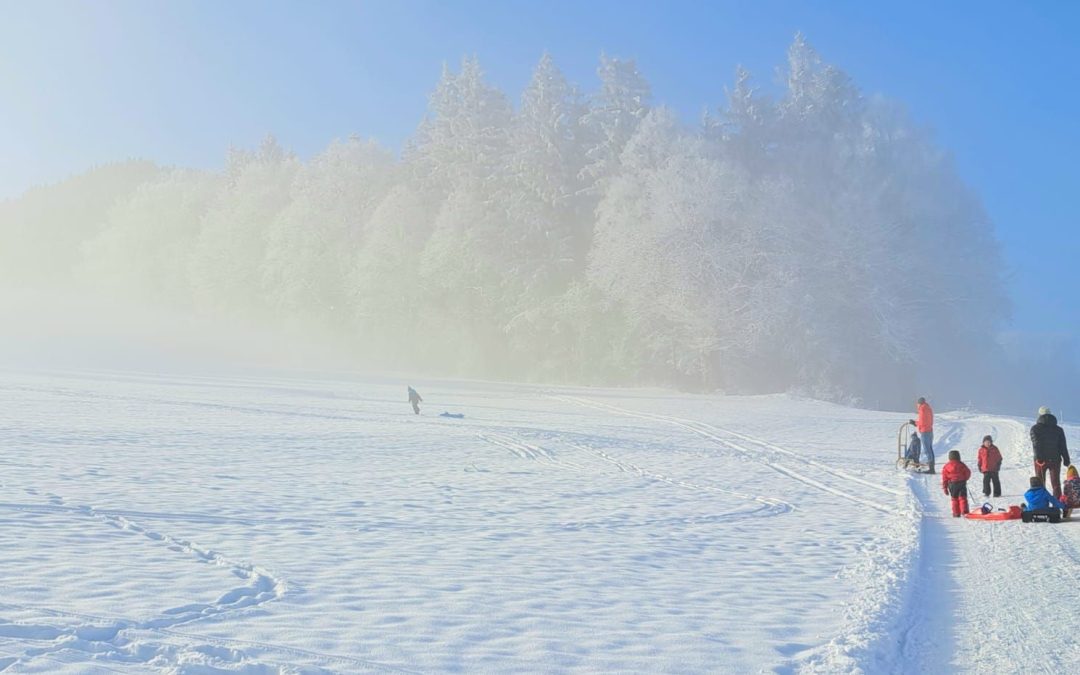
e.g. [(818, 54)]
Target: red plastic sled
[(1012, 514)]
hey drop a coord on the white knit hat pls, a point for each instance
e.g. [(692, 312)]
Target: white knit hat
[(1044, 410)]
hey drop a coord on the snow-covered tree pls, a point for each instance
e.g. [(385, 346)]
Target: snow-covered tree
[(384, 283), (613, 115), (547, 221), (310, 242), (146, 248), (43, 231), (227, 267), (680, 247), (463, 138)]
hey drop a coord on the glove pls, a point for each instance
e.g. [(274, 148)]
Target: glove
[(911, 422)]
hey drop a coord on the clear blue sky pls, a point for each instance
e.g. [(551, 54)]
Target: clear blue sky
[(88, 82)]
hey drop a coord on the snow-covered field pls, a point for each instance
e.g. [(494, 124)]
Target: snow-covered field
[(283, 523)]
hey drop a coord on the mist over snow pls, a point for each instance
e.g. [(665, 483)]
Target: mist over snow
[(816, 241)]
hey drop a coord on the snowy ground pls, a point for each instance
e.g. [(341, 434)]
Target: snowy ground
[(285, 524)]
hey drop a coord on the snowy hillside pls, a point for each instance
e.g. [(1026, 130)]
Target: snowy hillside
[(271, 524)]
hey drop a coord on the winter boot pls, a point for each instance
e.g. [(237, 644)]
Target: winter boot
[(964, 505), (956, 507), (930, 468)]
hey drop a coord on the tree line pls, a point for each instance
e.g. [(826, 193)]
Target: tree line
[(813, 239)]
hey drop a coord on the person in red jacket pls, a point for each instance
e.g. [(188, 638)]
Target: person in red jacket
[(989, 465), (924, 423), (954, 478)]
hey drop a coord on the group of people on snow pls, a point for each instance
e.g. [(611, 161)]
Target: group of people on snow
[(1050, 454)]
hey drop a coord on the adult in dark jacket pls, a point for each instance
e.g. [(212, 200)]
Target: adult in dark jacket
[(1050, 450)]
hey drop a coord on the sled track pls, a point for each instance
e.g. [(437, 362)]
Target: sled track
[(526, 450), (776, 506), (714, 434), (520, 448)]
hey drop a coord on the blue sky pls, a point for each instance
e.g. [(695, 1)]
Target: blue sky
[(88, 82)]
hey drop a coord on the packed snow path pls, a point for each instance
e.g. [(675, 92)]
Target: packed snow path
[(285, 524)]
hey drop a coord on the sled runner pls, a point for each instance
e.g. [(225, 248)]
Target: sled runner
[(1012, 513), (916, 467)]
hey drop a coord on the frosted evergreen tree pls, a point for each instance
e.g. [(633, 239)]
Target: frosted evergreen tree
[(613, 115), (227, 266), (548, 224), (310, 243), (463, 140)]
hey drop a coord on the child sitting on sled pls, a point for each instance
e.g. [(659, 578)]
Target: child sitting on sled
[(954, 478), (1038, 500), (914, 449), (1070, 491)]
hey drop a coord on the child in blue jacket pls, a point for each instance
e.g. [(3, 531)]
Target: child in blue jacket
[(1037, 498)]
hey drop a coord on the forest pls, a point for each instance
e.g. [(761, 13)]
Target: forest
[(800, 237)]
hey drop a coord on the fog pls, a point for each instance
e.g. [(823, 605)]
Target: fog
[(814, 241)]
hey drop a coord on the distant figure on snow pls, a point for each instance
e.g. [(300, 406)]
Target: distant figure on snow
[(415, 399), (924, 423), (1070, 491), (914, 450), (954, 478), (989, 465), (1051, 452)]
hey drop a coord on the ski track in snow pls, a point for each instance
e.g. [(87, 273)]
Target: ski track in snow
[(723, 437), (520, 448)]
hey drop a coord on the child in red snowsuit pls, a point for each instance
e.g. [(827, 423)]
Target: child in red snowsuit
[(954, 478), (989, 465)]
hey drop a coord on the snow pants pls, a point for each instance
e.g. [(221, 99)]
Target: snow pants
[(1054, 469), (927, 438), (988, 478), (415, 407), (958, 493)]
